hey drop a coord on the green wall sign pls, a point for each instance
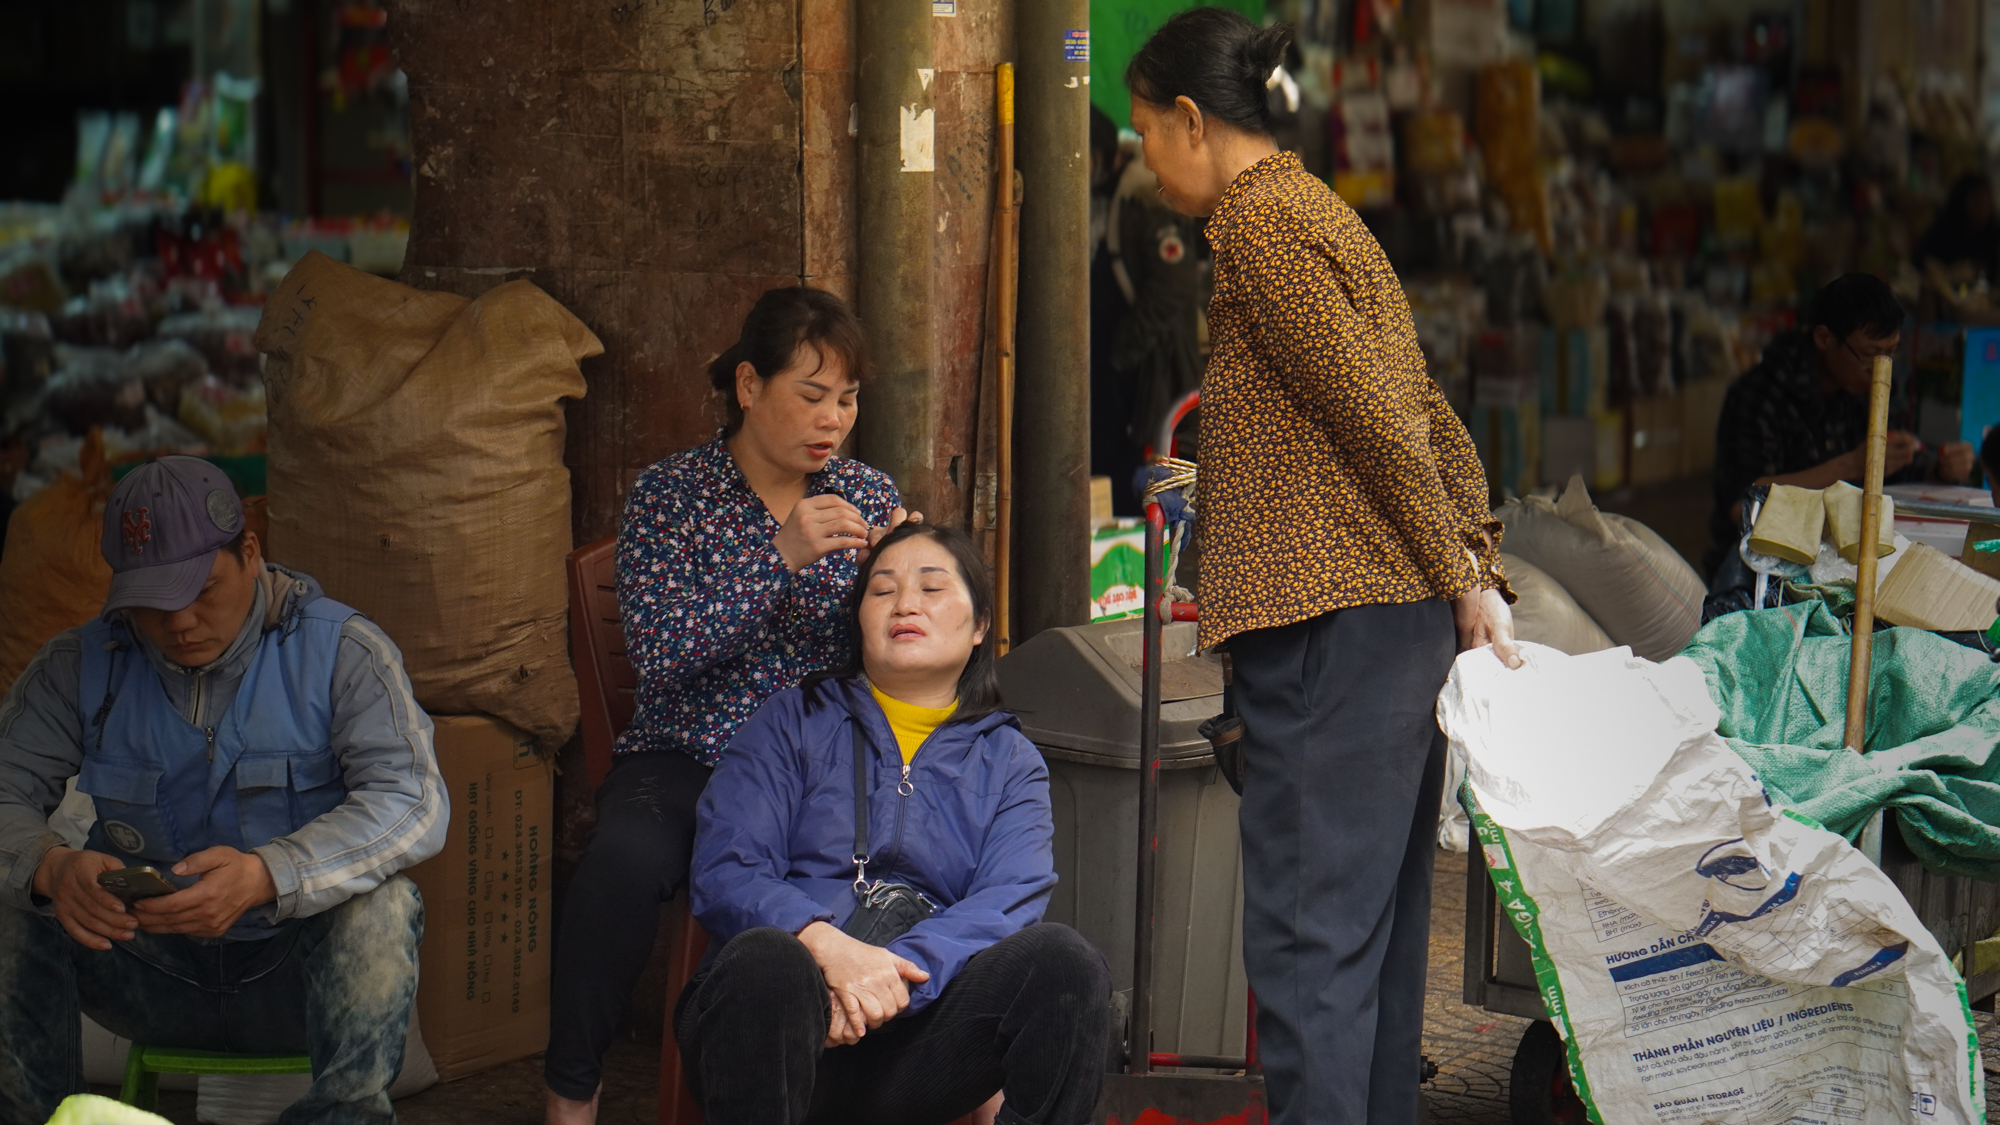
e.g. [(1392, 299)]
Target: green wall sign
[(1118, 28)]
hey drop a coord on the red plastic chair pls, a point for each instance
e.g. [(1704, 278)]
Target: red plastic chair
[(607, 684)]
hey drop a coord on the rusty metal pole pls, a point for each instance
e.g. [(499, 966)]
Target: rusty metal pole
[(1052, 404), (896, 159)]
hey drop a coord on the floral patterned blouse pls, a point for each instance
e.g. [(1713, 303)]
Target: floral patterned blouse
[(1333, 472), (715, 622)]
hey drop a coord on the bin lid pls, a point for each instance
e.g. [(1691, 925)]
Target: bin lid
[(1076, 692)]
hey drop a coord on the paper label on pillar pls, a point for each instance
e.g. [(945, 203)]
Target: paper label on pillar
[(944, 7), (1076, 46), (919, 138)]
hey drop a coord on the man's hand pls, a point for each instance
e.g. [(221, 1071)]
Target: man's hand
[(93, 916), (1954, 463), (1901, 449), (231, 883), (1483, 618), (866, 980)]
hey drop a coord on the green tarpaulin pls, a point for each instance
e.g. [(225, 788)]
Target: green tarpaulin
[(1780, 679)]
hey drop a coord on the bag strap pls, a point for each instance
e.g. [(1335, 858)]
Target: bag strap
[(860, 808)]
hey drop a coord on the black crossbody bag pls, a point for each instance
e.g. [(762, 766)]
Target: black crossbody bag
[(883, 911)]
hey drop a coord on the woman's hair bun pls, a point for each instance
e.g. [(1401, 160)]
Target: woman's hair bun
[(1264, 51), (1215, 58)]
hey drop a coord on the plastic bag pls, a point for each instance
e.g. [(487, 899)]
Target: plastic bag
[(1706, 955)]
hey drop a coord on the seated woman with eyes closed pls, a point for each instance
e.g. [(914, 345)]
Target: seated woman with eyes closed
[(902, 972)]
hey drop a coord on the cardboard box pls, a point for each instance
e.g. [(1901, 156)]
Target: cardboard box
[(1929, 589), (1657, 439), (1986, 562), (483, 992)]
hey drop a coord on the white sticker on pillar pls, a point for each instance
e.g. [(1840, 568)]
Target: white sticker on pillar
[(924, 75), (919, 138), (948, 8)]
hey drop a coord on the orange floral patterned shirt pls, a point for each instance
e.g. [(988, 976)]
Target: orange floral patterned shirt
[(1333, 472)]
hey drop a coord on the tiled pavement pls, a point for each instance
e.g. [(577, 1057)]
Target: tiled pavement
[(1473, 1050)]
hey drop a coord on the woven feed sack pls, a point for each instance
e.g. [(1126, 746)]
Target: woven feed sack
[(1546, 614), (415, 469), (52, 573), (1628, 579)]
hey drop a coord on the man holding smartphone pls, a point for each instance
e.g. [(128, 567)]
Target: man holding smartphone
[(258, 746)]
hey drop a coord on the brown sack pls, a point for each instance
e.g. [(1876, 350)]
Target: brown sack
[(53, 575), (416, 470)]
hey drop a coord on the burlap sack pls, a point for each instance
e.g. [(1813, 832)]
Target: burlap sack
[(416, 470), (1546, 614), (53, 575), (1628, 579)]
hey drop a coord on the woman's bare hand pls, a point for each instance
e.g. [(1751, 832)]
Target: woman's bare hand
[(817, 527), (1483, 618), (867, 981), (839, 1033)]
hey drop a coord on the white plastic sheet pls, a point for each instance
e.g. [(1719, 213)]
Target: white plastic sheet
[(1706, 955)]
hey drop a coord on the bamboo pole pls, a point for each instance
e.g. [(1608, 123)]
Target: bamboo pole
[(1005, 221), (1858, 666)]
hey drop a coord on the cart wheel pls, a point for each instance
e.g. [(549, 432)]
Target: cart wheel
[(1541, 1093)]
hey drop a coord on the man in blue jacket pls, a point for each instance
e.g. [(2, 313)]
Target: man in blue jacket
[(258, 744)]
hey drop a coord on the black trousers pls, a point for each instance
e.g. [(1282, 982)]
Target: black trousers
[(1345, 768), (1029, 1015), (637, 857)]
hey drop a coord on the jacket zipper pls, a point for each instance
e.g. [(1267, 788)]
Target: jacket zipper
[(198, 704)]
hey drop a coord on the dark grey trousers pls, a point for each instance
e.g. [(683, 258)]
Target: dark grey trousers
[(1340, 802)]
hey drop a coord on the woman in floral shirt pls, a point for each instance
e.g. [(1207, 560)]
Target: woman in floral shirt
[(735, 563)]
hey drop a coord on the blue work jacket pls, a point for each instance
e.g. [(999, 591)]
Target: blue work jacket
[(971, 828), (165, 789)]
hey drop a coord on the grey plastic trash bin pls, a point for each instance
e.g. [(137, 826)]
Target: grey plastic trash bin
[(1076, 692)]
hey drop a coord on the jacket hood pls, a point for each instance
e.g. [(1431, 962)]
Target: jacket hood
[(281, 594)]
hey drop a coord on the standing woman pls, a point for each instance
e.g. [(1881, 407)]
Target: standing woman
[(735, 565), (1347, 555)]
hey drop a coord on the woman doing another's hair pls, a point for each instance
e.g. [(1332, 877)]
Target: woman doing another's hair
[(780, 321), (979, 684), (1215, 58)]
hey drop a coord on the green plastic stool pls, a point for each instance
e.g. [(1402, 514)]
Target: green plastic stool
[(144, 1065)]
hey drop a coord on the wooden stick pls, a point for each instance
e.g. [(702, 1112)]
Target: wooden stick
[(1858, 665), (1006, 220)]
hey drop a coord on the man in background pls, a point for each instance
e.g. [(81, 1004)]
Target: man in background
[(1800, 416)]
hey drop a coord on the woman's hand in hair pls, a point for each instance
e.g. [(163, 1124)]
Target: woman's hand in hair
[(867, 981), (897, 518), (817, 527)]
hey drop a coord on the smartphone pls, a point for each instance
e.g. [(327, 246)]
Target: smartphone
[(135, 883)]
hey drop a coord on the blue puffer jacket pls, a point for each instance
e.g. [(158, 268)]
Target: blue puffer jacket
[(774, 842)]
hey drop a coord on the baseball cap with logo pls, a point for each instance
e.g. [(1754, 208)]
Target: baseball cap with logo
[(162, 527)]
